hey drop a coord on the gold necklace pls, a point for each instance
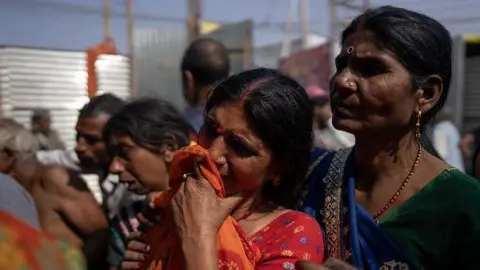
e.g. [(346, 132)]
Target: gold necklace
[(402, 187)]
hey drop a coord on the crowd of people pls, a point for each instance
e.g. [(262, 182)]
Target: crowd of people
[(259, 173)]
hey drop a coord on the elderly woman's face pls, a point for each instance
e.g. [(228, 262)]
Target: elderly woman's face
[(371, 90), (241, 157)]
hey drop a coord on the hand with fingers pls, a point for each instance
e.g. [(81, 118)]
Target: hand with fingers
[(136, 251), (136, 248), (198, 214)]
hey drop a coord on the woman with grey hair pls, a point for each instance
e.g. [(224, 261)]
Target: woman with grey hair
[(17, 152)]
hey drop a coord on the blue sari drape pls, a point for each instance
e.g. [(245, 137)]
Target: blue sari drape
[(351, 233)]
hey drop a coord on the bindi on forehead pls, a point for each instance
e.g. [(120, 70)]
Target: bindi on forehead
[(231, 118)]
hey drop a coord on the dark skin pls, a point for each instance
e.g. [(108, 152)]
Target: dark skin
[(245, 164), (65, 206), (90, 146), (381, 107), (142, 169), (68, 210), (194, 92), (372, 98)]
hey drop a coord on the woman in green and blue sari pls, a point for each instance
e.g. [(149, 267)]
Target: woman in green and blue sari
[(387, 203)]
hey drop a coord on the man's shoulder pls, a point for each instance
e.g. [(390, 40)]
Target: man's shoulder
[(56, 178)]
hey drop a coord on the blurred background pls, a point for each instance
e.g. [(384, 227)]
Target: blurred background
[(44, 48)]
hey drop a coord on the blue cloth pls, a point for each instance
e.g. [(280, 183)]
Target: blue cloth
[(194, 116), (363, 244), (17, 201)]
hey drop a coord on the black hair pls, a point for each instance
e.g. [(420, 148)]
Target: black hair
[(103, 104), (279, 111), (207, 60), (38, 114), (421, 44), (150, 123)]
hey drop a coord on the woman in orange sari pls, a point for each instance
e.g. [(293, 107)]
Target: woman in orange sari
[(258, 133)]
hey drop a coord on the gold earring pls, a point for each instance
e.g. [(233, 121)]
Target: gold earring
[(417, 126)]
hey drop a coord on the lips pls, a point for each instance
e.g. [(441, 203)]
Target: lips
[(341, 110)]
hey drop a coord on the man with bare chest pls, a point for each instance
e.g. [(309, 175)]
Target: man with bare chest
[(70, 203), (65, 208), (65, 201)]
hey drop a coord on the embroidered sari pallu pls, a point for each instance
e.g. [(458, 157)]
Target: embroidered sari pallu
[(235, 250), (351, 233)]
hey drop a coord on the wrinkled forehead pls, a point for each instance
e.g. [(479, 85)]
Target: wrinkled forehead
[(231, 117), (362, 43)]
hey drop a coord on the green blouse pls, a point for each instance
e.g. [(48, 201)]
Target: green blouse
[(439, 227)]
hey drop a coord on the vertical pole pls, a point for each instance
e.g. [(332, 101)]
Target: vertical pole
[(333, 35), (287, 39), (247, 47), (106, 19), (131, 49), (304, 20), (194, 14)]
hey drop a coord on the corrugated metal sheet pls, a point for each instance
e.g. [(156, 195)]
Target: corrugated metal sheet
[(113, 75), (456, 93), (237, 37), (471, 116), (158, 53), (54, 80)]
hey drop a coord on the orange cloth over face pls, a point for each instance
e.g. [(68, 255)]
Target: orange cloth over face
[(106, 47), (235, 250)]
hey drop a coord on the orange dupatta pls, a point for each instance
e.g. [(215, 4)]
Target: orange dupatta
[(235, 250)]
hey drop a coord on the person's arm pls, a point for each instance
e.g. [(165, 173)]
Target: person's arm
[(77, 204), (79, 209), (200, 253)]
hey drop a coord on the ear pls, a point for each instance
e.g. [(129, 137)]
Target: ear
[(429, 93), (189, 80), (169, 152)]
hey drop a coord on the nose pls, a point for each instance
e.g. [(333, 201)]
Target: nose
[(116, 167), (81, 145), (344, 82), (218, 151)]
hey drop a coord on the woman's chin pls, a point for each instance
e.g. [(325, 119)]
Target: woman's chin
[(345, 124)]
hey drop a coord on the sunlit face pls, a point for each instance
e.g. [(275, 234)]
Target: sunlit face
[(242, 158), (143, 170), (371, 90), (90, 147)]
